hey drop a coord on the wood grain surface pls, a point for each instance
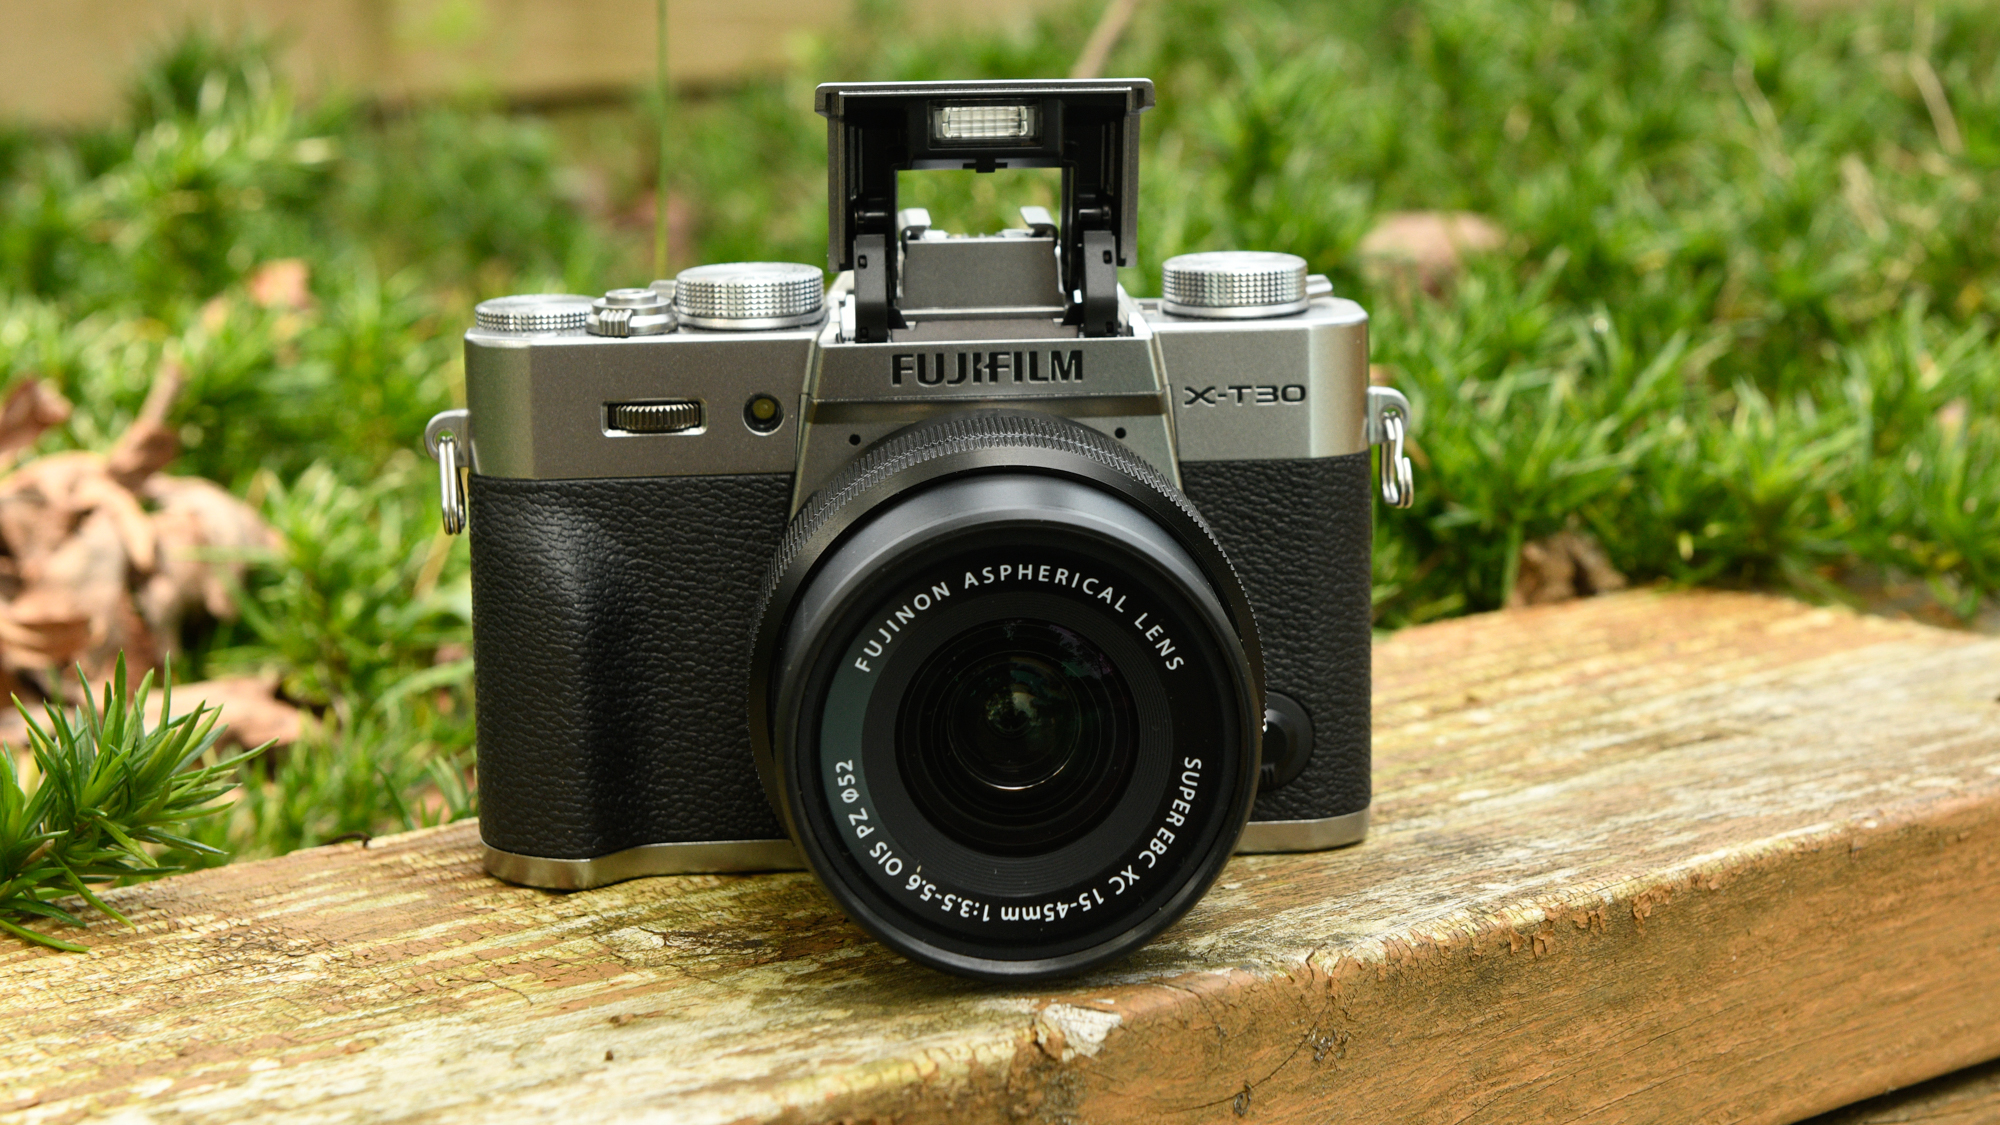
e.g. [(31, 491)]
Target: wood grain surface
[(1966, 1097), (1650, 857)]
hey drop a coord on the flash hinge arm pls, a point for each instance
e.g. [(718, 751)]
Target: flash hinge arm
[(1099, 284), (874, 282)]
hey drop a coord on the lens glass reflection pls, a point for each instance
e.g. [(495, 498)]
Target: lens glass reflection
[(1017, 736)]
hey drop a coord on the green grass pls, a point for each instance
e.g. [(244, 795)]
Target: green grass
[(1742, 330), (110, 802)]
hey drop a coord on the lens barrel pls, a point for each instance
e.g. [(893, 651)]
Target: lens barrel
[(1007, 696)]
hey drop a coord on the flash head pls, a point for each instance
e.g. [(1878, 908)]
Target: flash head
[(1089, 128)]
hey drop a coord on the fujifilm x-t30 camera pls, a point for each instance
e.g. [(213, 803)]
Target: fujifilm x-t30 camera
[(1008, 605)]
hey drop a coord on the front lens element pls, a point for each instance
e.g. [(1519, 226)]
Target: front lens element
[(1017, 736)]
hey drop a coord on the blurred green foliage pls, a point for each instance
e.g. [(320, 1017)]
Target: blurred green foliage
[(126, 250), (1742, 326), (1741, 329)]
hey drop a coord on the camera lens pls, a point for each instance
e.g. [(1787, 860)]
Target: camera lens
[(1007, 696), (1017, 736)]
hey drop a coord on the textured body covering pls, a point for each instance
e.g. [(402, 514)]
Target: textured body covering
[(611, 630), (1299, 534)]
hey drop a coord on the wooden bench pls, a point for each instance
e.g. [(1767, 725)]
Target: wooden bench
[(1651, 857)]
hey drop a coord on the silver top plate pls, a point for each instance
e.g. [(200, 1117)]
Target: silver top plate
[(541, 402), (1177, 389), (1267, 389)]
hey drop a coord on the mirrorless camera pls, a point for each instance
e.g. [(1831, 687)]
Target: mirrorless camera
[(1008, 605)]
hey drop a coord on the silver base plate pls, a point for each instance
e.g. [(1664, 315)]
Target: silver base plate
[(711, 857), (1263, 837), (706, 857)]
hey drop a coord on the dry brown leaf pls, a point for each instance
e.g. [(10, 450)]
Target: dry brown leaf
[(1428, 247), (147, 445), (252, 714), (87, 572), (85, 578), (281, 284), (205, 535), (1568, 564), (10, 689), (42, 502), (31, 408), (143, 449), (135, 528), (45, 642)]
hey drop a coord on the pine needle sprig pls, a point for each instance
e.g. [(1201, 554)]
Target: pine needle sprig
[(112, 796)]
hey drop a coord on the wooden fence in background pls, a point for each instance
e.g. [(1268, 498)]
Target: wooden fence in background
[(65, 63)]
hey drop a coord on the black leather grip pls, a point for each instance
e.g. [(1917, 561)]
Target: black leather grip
[(611, 635), (1300, 534)]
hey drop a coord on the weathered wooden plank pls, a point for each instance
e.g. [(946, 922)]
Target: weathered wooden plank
[(1650, 857), (1966, 1097)]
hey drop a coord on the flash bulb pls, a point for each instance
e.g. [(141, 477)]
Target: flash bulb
[(985, 124)]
